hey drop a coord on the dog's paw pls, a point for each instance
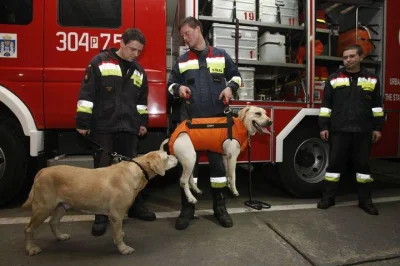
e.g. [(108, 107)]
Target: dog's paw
[(63, 237), (126, 250), (192, 200), (34, 250)]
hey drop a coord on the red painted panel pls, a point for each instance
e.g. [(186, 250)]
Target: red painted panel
[(389, 144)]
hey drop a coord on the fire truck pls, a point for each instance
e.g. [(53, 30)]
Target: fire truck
[(284, 49)]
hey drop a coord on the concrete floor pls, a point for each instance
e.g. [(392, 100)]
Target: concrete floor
[(292, 232)]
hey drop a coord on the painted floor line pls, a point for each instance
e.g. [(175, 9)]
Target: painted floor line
[(174, 214)]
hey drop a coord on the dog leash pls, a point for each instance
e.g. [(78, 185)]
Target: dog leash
[(117, 156)]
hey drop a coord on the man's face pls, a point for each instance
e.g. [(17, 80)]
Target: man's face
[(351, 59), (190, 36), (131, 50)]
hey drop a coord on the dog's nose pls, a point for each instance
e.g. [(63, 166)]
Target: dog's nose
[(269, 123)]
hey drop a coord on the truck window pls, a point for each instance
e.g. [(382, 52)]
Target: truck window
[(90, 13), (18, 12)]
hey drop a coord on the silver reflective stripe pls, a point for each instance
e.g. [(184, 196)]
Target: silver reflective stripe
[(333, 177), (171, 88), (363, 178), (85, 103)]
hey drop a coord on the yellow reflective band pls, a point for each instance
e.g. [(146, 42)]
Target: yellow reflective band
[(377, 111), (142, 109), (321, 20), (191, 64), (109, 69), (84, 109), (332, 177), (137, 78), (325, 112), (338, 82), (218, 182), (237, 80), (216, 64), (362, 178), (367, 84)]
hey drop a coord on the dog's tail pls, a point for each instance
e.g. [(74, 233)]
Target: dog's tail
[(165, 146), (28, 202)]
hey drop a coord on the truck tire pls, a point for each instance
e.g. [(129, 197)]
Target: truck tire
[(305, 158), (14, 157)]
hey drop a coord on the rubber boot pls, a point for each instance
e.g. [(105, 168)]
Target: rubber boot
[(364, 199), (219, 207), (328, 196), (139, 211), (99, 226), (187, 213)]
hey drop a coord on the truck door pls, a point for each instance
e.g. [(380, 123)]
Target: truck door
[(75, 32), (21, 53)]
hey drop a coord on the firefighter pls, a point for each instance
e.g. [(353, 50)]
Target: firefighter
[(351, 118), (112, 108), (208, 75)]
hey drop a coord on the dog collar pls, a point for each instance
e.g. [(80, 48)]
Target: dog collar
[(146, 175)]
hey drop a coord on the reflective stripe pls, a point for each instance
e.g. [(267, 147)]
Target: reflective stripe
[(142, 109), (216, 64), (171, 88), (110, 69), (191, 64), (367, 84), (218, 182), (363, 178), (333, 177), (237, 80), (337, 82), (137, 78), (84, 106), (377, 111), (325, 112), (321, 20)]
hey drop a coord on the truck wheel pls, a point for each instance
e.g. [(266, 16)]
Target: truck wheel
[(305, 158), (13, 160)]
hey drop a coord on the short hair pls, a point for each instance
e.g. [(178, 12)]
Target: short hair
[(357, 47), (191, 22), (133, 34)]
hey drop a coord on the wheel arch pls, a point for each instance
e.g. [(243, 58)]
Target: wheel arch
[(14, 106), (292, 125)]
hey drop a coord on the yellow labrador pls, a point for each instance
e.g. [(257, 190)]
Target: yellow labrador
[(254, 119), (110, 191)]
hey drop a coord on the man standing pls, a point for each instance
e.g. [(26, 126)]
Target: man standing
[(209, 76), (112, 107), (351, 118)]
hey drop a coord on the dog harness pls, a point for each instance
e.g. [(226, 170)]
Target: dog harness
[(208, 134)]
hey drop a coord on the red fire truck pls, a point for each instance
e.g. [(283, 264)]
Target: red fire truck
[(45, 46)]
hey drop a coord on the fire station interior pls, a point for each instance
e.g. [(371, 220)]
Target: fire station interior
[(278, 31)]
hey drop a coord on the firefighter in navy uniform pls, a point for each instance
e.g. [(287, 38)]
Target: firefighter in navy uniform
[(112, 108), (208, 75), (351, 118)]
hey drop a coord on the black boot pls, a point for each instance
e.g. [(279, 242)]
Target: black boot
[(139, 211), (364, 199), (187, 213), (99, 226), (328, 196), (219, 207)]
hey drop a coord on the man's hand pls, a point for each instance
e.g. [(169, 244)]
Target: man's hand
[(83, 132), (376, 136), (183, 91), (142, 131), (226, 94), (324, 135)]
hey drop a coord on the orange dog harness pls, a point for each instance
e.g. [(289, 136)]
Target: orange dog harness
[(210, 138)]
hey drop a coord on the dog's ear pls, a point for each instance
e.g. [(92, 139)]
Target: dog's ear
[(242, 113), (157, 165)]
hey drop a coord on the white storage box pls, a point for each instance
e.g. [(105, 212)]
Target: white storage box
[(272, 48), (246, 90), (245, 9), (224, 37), (268, 12)]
